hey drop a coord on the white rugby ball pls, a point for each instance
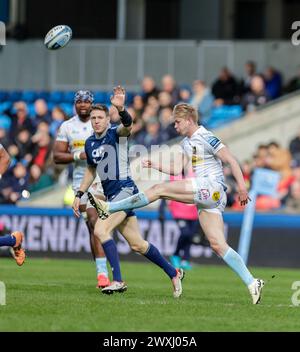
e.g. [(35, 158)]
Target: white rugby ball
[(58, 37)]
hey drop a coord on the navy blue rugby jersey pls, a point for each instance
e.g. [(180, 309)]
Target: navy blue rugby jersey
[(109, 155)]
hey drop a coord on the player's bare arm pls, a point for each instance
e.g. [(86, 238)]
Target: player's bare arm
[(174, 167), (61, 154), (225, 155), (89, 176), (118, 101), (4, 160)]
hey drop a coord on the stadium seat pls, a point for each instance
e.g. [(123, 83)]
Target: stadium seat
[(67, 108), (3, 96), (68, 97), (14, 95), (31, 110), (4, 106), (28, 96), (5, 122), (100, 97), (56, 97), (42, 95), (129, 97), (51, 105)]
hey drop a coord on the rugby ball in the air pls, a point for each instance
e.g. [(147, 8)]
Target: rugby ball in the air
[(58, 37)]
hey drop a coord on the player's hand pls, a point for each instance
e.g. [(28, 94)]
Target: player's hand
[(82, 156), (118, 98), (75, 207), (243, 196)]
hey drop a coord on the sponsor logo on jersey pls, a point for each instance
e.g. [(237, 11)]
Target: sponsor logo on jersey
[(203, 194), (78, 143), (196, 159), (214, 142), (216, 196)]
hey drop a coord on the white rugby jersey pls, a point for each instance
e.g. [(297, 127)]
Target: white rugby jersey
[(201, 149), (76, 132)]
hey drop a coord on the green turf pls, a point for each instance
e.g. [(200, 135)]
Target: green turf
[(60, 295)]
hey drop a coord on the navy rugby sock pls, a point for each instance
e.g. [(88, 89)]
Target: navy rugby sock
[(111, 253), (7, 240), (154, 255)]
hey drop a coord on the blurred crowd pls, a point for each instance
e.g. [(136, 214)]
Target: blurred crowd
[(274, 157), (28, 130)]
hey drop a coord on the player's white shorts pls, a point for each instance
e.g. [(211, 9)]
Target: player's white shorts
[(209, 194)]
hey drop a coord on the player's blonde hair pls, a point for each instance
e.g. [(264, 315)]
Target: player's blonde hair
[(184, 111)]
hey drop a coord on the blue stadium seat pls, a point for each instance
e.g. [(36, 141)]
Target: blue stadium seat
[(67, 108), (224, 114), (4, 106), (56, 97), (3, 96), (129, 97), (42, 95), (28, 96), (100, 97), (51, 105), (14, 95), (5, 122), (31, 110), (68, 97)]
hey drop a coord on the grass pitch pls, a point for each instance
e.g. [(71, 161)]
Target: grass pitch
[(60, 295)]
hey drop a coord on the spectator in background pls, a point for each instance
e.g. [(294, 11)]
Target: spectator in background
[(41, 112), (153, 102), (152, 135), (165, 100), (279, 159), (20, 120), (273, 82), (25, 146), (293, 199), (168, 85), (294, 83), (225, 89), (38, 180), (58, 116), (149, 89), (257, 95), (250, 72), (294, 147), (202, 100), (42, 149), (4, 139), (260, 157), (166, 120), (184, 94), (13, 183), (138, 105), (137, 127)]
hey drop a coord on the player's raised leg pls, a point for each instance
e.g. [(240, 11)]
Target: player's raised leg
[(182, 191), (212, 224), (15, 240), (129, 228)]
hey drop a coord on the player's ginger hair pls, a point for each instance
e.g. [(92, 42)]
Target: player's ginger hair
[(184, 111)]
